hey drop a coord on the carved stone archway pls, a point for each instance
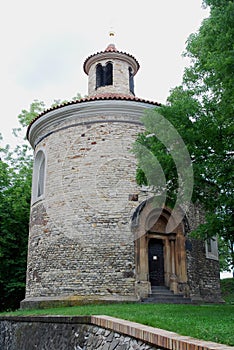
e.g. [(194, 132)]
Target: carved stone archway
[(149, 223)]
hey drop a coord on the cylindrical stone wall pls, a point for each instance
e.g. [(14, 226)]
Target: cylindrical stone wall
[(80, 240)]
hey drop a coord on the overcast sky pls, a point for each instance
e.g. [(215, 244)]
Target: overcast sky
[(44, 44)]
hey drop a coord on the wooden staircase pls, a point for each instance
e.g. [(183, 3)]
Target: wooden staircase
[(161, 294)]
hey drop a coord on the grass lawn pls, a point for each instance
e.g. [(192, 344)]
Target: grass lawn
[(208, 322)]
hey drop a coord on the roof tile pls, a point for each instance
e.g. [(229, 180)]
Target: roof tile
[(107, 96)]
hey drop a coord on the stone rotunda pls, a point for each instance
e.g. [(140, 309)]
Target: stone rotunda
[(94, 233)]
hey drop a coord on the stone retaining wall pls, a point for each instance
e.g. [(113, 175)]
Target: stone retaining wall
[(91, 333)]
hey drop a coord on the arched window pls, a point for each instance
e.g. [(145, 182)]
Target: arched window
[(131, 81), (104, 75), (109, 74), (99, 76), (39, 176)]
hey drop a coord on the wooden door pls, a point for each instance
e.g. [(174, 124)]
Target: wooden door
[(156, 262)]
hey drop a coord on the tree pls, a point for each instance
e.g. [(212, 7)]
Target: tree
[(15, 196), (15, 191), (202, 110)]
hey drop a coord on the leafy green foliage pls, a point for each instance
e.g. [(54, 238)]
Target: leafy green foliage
[(208, 322), (59, 102), (36, 107), (225, 258), (202, 111), (15, 194), (227, 288)]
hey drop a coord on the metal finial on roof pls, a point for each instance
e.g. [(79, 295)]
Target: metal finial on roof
[(111, 47), (111, 33)]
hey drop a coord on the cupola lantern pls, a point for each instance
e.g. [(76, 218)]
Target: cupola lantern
[(111, 72)]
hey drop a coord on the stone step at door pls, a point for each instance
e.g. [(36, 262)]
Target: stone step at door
[(161, 294)]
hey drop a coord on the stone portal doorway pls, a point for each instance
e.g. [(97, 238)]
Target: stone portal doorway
[(160, 256), (156, 262)]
